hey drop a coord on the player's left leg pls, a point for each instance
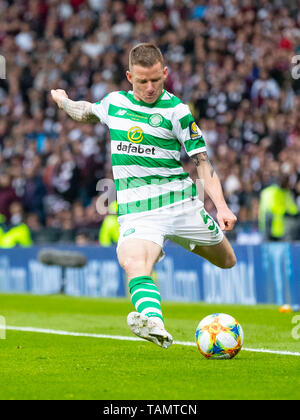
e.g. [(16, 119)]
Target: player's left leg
[(222, 255), (137, 257)]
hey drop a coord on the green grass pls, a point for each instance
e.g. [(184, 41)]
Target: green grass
[(44, 366)]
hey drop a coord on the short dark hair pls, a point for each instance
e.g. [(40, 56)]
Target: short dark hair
[(145, 55)]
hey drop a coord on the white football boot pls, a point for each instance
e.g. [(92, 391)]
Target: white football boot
[(145, 327)]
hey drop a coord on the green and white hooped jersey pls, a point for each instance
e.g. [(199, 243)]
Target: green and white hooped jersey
[(146, 141)]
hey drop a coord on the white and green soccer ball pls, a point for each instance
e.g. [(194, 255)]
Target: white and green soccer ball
[(219, 336)]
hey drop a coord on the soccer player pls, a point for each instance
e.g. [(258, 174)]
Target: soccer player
[(157, 200)]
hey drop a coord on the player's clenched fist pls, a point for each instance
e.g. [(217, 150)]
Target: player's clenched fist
[(58, 95), (226, 219)]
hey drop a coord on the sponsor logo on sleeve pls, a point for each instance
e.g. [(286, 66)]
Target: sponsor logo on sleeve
[(193, 130)]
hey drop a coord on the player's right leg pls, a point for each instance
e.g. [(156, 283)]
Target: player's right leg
[(137, 257)]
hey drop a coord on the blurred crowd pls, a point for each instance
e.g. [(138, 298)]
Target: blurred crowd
[(233, 61)]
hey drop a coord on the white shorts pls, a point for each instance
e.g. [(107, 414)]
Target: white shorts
[(187, 224)]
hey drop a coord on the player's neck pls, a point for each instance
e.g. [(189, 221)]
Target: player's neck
[(139, 99)]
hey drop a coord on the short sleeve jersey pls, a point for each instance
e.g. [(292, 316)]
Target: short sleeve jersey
[(146, 142)]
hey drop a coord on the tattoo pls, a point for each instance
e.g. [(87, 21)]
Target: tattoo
[(79, 110), (199, 158)]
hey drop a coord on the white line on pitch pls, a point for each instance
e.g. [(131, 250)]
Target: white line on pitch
[(124, 338)]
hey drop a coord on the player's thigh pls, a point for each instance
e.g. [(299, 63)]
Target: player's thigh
[(138, 256), (222, 255)]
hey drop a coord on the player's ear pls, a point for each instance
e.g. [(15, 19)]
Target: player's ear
[(165, 72), (129, 76)]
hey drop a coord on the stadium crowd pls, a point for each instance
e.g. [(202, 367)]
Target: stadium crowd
[(230, 60)]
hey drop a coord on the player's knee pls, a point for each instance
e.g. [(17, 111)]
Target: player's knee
[(133, 263), (230, 261)]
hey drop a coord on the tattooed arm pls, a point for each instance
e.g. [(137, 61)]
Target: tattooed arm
[(78, 110), (203, 158), (212, 186)]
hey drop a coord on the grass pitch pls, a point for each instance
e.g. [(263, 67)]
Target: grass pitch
[(49, 366)]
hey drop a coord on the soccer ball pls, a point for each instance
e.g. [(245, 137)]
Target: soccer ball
[(219, 336)]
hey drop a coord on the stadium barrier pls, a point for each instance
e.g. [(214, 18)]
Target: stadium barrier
[(266, 273)]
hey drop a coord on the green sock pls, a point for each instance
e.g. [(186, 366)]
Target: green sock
[(145, 296)]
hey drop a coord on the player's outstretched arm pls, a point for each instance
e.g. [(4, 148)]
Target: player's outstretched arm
[(78, 110), (212, 186)]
